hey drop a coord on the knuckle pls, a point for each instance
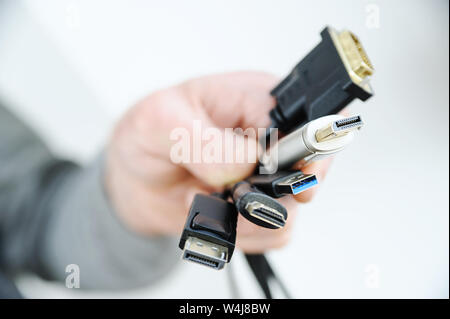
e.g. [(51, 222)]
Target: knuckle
[(306, 196), (281, 240)]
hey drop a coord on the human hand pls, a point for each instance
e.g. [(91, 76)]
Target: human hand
[(152, 194)]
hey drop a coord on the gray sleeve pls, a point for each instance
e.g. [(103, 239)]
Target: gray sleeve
[(54, 214)]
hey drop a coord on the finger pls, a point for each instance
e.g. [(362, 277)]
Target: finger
[(263, 240), (238, 99), (237, 160), (171, 204), (190, 138)]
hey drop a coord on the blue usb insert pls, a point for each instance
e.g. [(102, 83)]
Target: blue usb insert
[(304, 185)]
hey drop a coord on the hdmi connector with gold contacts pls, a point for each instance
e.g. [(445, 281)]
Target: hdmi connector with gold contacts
[(258, 207)]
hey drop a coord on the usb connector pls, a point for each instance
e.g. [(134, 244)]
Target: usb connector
[(283, 183), (295, 183)]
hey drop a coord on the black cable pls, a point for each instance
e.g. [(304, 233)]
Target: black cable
[(262, 271), (264, 274), (258, 263)]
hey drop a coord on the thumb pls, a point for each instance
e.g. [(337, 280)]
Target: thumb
[(215, 155)]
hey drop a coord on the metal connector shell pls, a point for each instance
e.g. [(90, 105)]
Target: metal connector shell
[(296, 184), (283, 183), (205, 253), (258, 207), (353, 55), (301, 146), (339, 128), (266, 214)]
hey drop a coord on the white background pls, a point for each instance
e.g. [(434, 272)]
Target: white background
[(379, 227)]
